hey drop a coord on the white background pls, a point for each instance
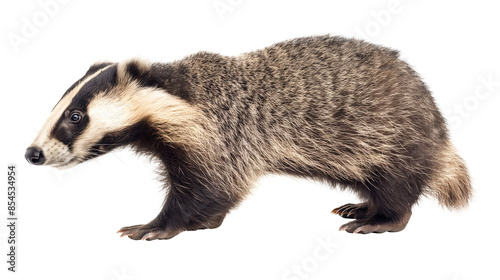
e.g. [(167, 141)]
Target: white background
[(68, 219)]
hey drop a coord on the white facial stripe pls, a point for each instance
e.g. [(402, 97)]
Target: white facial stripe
[(106, 114), (54, 151), (175, 119), (116, 111)]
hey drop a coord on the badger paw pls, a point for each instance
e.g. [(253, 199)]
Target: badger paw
[(352, 211), (147, 232), (376, 225)]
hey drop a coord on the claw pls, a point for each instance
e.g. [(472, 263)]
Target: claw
[(358, 230), (147, 232), (352, 212), (147, 236)]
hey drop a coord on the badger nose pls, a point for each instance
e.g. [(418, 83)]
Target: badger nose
[(34, 155)]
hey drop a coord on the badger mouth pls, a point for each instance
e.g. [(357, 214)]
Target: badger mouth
[(69, 163)]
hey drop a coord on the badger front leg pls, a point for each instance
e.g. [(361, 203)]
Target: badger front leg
[(189, 206)]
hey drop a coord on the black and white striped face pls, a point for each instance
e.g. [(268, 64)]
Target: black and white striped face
[(90, 119)]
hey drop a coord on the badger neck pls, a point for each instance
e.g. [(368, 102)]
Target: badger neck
[(173, 120)]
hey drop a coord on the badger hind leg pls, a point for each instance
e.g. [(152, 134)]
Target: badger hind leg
[(388, 202), (372, 218)]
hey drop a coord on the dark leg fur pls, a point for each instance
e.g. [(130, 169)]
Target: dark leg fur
[(182, 210), (388, 205), (192, 203), (163, 227)]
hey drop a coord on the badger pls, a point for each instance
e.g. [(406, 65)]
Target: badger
[(341, 111)]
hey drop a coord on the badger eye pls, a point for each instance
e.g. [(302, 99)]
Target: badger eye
[(75, 118)]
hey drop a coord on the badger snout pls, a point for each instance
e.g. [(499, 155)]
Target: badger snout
[(34, 155)]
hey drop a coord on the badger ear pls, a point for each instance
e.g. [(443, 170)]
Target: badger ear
[(133, 69)]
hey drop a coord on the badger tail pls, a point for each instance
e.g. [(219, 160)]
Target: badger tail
[(450, 182)]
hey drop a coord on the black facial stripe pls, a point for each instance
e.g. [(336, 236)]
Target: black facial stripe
[(66, 131), (103, 82), (119, 138), (106, 144), (172, 78), (94, 68)]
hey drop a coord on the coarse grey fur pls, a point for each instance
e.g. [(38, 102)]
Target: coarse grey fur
[(339, 110)]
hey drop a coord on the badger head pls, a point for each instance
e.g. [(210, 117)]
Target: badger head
[(110, 106)]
